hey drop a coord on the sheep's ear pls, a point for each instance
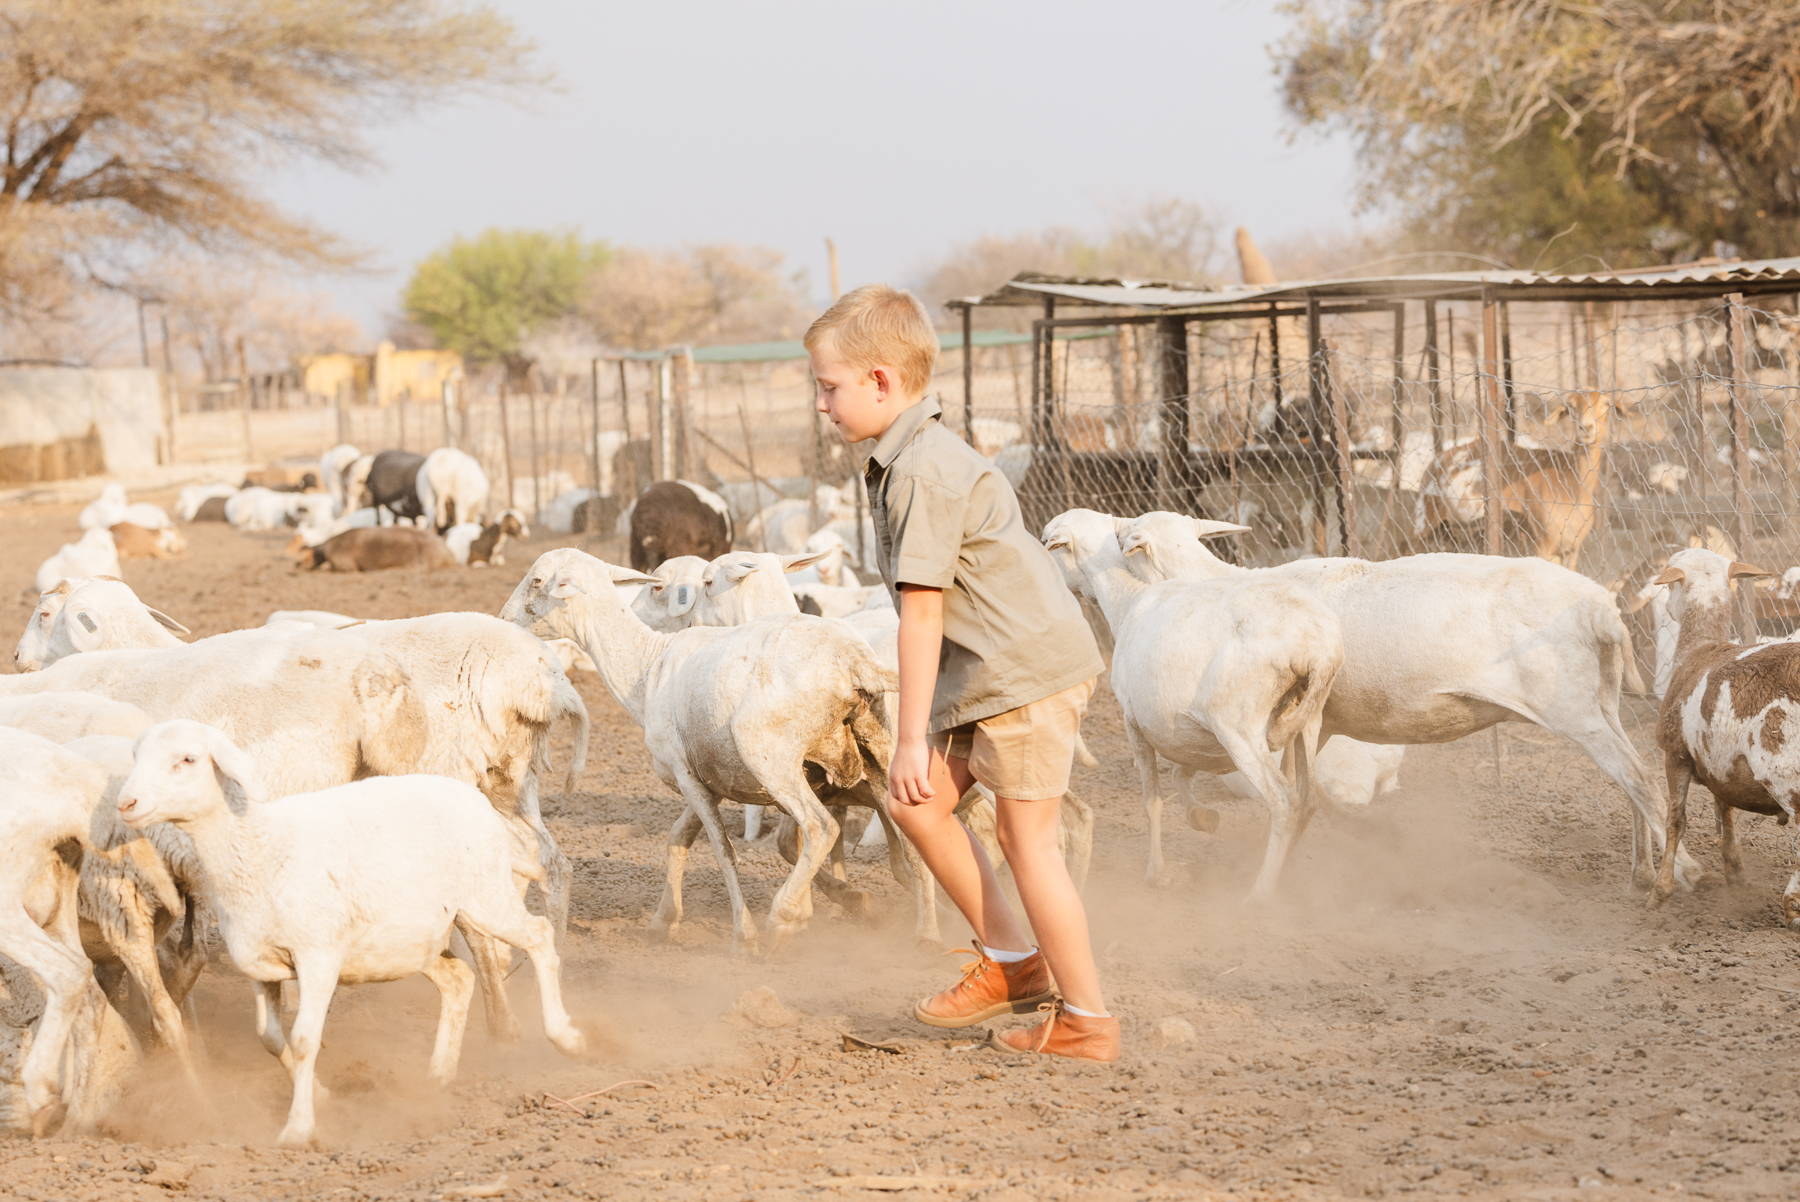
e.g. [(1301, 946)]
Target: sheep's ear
[(1671, 576), (565, 585), (1122, 527), (84, 627), (686, 593), (166, 621), (734, 571), (793, 563), (1059, 539), (1207, 528), (628, 576), (1745, 569), (232, 763)]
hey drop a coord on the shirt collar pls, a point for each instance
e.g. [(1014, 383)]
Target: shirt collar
[(909, 423)]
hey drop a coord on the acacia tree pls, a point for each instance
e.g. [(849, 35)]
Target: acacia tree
[(133, 127), (646, 299), (1658, 129), (486, 296)]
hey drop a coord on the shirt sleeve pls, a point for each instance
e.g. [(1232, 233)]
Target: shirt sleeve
[(926, 521)]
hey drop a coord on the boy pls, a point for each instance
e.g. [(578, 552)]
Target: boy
[(996, 664)]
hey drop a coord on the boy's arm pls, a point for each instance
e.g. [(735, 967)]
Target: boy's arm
[(921, 640)]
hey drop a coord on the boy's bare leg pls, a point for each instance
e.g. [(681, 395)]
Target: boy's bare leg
[(957, 860), (1027, 833)]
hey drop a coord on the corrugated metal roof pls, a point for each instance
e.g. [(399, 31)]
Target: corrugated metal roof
[(1687, 281)]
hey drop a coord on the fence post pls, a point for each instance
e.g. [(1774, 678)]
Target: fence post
[(968, 366), (512, 501), (537, 471), (1740, 421), (663, 465), (681, 380), (1434, 387), (1315, 423), (447, 389), (1338, 405), (244, 394), (1172, 400), (594, 423), (1279, 426), (1493, 420)]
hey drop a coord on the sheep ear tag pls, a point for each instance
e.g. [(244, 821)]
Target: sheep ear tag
[(684, 598), (84, 630)]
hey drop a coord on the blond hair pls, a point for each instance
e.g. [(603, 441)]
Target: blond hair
[(879, 323)]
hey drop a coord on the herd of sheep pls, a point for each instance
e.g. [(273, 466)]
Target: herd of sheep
[(359, 800)]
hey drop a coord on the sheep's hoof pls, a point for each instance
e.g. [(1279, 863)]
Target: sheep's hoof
[(855, 903), (1707, 881), (1643, 877), (48, 1119), (1204, 818), (1658, 896), (661, 932), (291, 1137)]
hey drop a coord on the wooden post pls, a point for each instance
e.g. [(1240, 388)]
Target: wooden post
[(1434, 394), (537, 470), (662, 449), (968, 366), (172, 393), (1316, 424), (681, 380), (1593, 351), (1172, 403), (448, 389), (244, 397), (512, 499), (594, 422), (1493, 420), (1735, 316), (1339, 407)]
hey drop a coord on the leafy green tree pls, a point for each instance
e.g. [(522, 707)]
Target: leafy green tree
[(485, 296), (1631, 132)]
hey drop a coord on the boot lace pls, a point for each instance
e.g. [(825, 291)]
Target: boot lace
[(973, 969)]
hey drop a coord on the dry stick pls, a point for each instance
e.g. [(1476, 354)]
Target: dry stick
[(551, 1099), (512, 501), (789, 1073), (762, 535)]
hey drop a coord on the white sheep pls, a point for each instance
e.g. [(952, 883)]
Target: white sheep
[(843, 600), (834, 569), (1213, 676), (193, 496), (105, 511), (106, 615), (452, 488), (46, 808), (312, 617), (359, 883), (94, 554), (1348, 774), (64, 717), (356, 483), (739, 712), (1441, 646), (257, 508), (558, 516), (312, 529), (332, 466)]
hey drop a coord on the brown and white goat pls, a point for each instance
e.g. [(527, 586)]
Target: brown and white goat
[(1724, 720), (1557, 492)]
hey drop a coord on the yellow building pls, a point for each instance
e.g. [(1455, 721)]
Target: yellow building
[(387, 376)]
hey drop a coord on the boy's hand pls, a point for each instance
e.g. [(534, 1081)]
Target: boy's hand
[(909, 776)]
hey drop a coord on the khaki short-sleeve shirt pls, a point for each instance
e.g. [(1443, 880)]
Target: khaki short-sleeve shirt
[(945, 518)]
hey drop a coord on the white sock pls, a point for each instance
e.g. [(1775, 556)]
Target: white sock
[(996, 954), (1083, 1013)]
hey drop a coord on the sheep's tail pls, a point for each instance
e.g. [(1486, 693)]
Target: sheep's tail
[(1301, 703), (1612, 639), (566, 701)]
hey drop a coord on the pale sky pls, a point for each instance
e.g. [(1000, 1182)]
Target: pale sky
[(897, 129)]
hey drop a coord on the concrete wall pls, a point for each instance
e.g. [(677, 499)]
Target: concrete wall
[(61, 422)]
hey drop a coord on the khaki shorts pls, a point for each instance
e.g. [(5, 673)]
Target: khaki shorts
[(1024, 754)]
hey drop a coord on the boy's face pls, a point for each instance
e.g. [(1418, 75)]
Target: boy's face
[(861, 404)]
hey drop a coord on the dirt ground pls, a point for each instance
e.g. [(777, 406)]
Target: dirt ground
[(1457, 996)]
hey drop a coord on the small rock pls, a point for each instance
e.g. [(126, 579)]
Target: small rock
[(170, 1174), (761, 1008), (1172, 1031)]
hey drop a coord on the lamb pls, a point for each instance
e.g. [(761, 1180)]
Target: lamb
[(312, 617), (315, 529), (103, 614), (375, 550), (832, 570), (1212, 676), (194, 496), (332, 466), (45, 812), (1348, 774), (356, 483), (762, 713), (94, 554), (359, 883), (843, 600), (107, 510), (558, 515), (675, 517), (258, 508), (1441, 646), (136, 542), (393, 484), (476, 547), (1723, 719), (451, 488)]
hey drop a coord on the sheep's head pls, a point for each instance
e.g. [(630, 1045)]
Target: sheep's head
[(183, 770), (541, 602), (674, 588), (1161, 545), (512, 524), (86, 613), (1075, 539), (1700, 578)]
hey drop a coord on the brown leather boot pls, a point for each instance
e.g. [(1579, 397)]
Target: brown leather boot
[(1065, 1034), (987, 988)]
